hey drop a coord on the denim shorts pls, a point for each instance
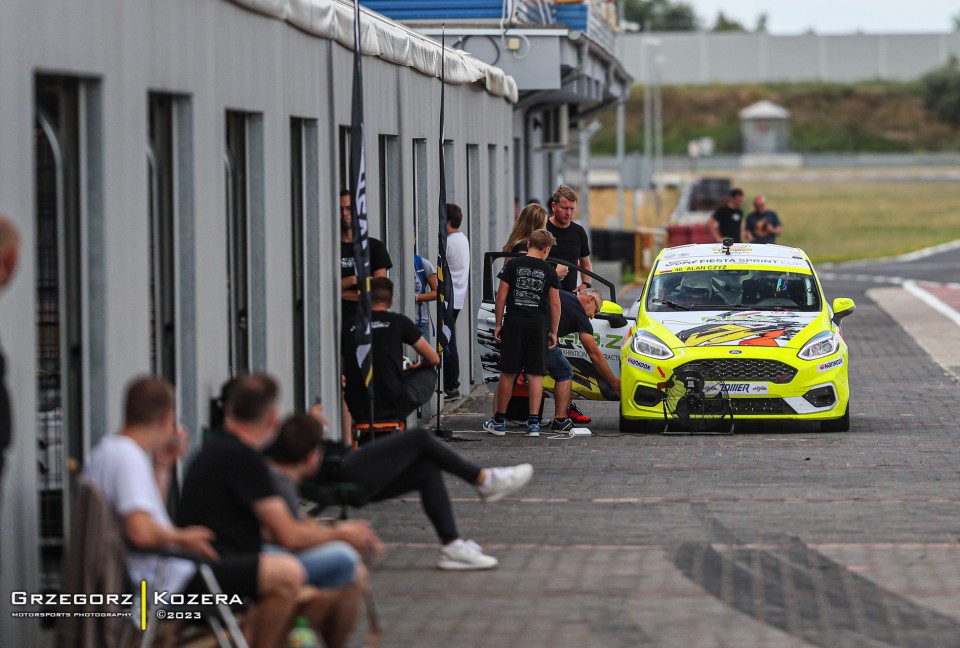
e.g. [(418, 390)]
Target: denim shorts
[(558, 366), (329, 565)]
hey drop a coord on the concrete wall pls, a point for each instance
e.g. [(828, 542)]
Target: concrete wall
[(217, 57), (703, 57)]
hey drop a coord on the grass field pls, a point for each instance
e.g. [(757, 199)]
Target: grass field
[(845, 217)]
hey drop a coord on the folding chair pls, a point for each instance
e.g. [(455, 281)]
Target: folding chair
[(95, 561)]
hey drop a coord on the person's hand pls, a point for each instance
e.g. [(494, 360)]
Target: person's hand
[(167, 456), (362, 537), (317, 412), (551, 340), (496, 333), (616, 385), (197, 539), (562, 271)]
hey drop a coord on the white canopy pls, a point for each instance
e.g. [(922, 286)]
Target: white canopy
[(385, 39)]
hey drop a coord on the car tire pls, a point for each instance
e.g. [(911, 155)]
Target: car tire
[(641, 426), (841, 424)]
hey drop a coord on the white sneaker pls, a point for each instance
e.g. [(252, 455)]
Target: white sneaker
[(464, 555), (504, 481)]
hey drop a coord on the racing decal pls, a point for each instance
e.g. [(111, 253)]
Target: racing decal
[(831, 364), (738, 263), (639, 364), (769, 334), (740, 388)]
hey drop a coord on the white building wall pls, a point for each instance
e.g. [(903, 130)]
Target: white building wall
[(220, 57)]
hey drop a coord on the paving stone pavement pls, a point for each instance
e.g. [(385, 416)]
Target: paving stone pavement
[(769, 538)]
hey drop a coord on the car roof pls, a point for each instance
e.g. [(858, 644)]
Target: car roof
[(741, 254)]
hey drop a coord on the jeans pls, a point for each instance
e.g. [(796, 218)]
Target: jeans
[(451, 358), (330, 565)]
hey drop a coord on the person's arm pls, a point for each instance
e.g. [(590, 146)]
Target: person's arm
[(748, 230), (143, 532), (292, 534), (502, 291), (432, 294), (714, 226), (775, 227), (379, 272), (586, 265), (428, 355), (554, 316), (166, 458), (348, 288), (596, 357)]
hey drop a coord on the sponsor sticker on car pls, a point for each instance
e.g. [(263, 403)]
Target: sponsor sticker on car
[(739, 388), (639, 364), (830, 364)]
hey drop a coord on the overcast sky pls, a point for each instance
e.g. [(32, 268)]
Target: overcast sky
[(835, 16)]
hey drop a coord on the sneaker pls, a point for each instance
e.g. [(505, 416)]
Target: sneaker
[(533, 430), (497, 429), (452, 395), (578, 417), (463, 555), (504, 481), (562, 425)]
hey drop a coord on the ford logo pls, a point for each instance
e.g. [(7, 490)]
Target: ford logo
[(735, 352)]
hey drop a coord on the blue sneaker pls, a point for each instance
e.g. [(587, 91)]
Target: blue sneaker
[(533, 430), (497, 429)]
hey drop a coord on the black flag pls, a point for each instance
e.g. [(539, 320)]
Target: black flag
[(444, 280), (358, 206)]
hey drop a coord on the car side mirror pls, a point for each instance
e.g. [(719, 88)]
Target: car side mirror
[(842, 306), (612, 312)]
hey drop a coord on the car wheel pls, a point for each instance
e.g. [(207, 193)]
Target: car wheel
[(841, 424), (642, 426)]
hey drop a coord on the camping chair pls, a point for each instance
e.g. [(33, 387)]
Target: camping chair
[(95, 561)]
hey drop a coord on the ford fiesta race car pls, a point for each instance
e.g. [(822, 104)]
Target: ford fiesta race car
[(733, 331)]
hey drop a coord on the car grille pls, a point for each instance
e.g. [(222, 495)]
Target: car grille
[(731, 369), (744, 406)]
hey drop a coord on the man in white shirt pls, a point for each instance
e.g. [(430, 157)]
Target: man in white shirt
[(458, 260), (133, 468)]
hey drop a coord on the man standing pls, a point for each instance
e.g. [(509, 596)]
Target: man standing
[(763, 225), (379, 262), (9, 255), (572, 243), (458, 260), (727, 220)]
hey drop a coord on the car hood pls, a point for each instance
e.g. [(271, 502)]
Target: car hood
[(739, 328)]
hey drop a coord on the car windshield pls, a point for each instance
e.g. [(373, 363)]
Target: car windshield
[(732, 289)]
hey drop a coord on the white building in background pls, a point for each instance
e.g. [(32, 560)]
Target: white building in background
[(174, 167)]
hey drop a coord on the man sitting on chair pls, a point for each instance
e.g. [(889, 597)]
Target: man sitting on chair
[(150, 444), (397, 391)]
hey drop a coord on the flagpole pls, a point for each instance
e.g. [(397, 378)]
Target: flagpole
[(358, 207), (443, 292)]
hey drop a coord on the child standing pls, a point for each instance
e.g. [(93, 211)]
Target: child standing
[(529, 289)]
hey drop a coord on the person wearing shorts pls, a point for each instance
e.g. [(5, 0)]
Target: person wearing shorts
[(529, 293)]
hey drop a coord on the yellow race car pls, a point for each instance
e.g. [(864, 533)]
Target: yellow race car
[(730, 332)]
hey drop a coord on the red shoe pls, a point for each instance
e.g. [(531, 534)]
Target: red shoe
[(574, 414)]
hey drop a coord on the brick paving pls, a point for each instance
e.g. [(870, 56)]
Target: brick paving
[(768, 538)]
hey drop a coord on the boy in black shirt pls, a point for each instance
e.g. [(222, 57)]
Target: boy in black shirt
[(396, 391), (529, 289)]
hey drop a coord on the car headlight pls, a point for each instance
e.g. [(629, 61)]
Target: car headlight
[(649, 345), (820, 345)]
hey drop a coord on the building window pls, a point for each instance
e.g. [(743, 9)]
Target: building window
[(391, 201), (69, 300), (304, 205), (238, 257), (421, 197), (449, 169)]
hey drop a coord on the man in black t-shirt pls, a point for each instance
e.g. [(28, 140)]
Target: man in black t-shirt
[(529, 291), (379, 262), (228, 489), (727, 220), (396, 391), (572, 243)]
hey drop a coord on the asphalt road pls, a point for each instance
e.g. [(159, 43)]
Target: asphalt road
[(770, 538)]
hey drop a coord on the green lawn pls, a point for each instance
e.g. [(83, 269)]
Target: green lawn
[(847, 220)]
